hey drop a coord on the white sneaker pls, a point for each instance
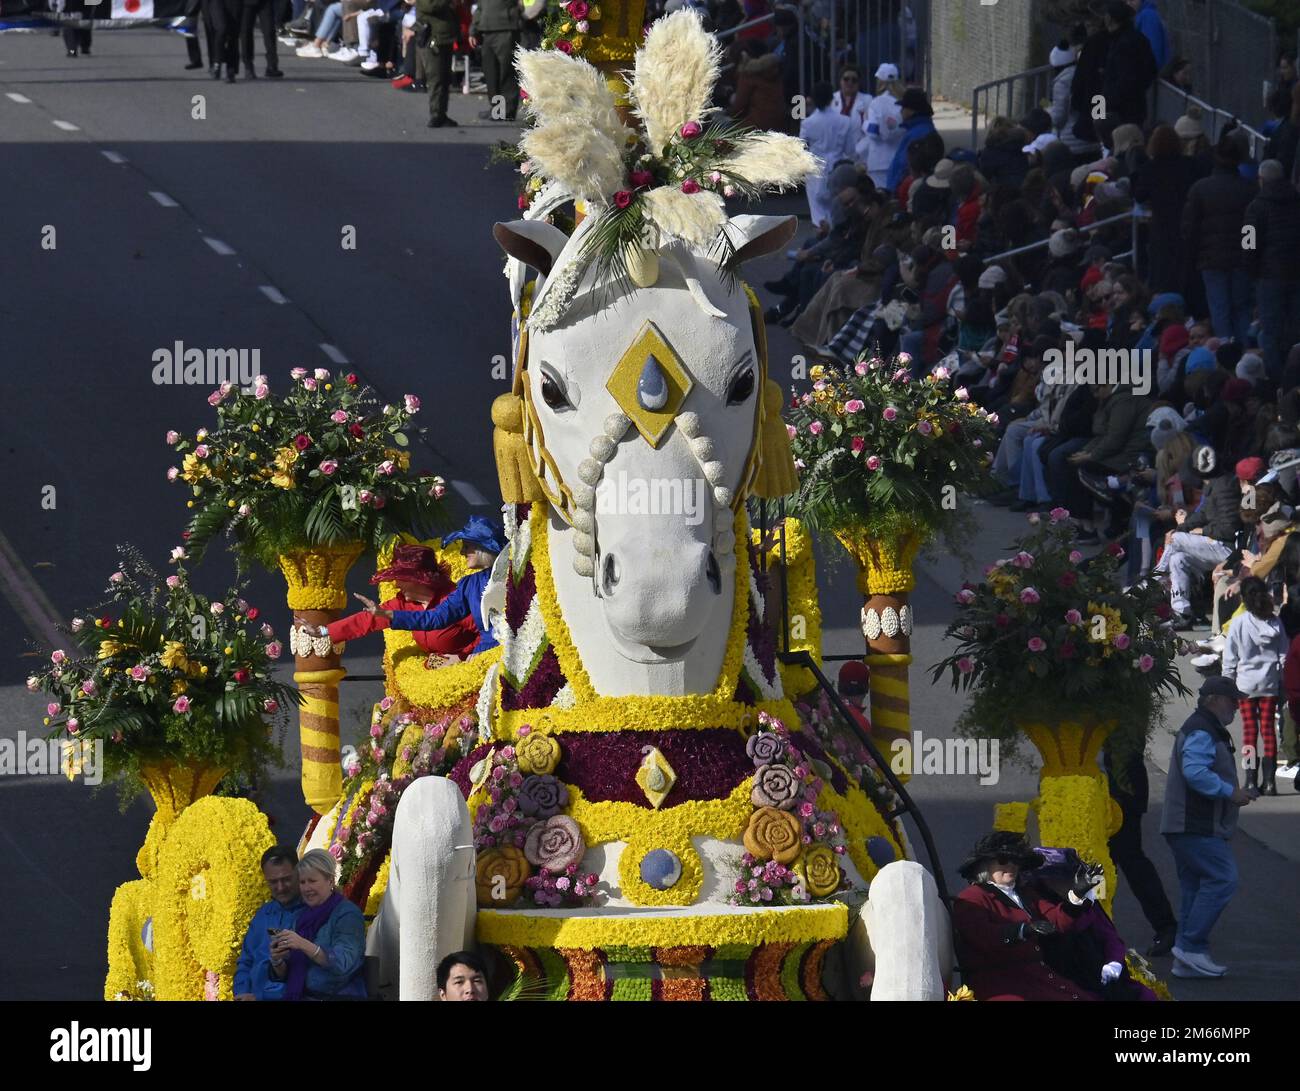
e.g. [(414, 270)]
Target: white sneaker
[(347, 53), (311, 49), (1289, 771), (1201, 965), (371, 62), (1205, 662), (1181, 969)]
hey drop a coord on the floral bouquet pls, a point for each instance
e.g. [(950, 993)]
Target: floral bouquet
[(1047, 637), (161, 674), (880, 453), (568, 25), (401, 749), (321, 465)]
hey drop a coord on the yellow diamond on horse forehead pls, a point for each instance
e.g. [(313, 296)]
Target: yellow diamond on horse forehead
[(650, 383)]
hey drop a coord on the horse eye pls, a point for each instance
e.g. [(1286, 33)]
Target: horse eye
[(742, 386), (552, 395)]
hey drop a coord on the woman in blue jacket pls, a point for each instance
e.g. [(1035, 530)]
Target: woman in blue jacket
[(323, 956)]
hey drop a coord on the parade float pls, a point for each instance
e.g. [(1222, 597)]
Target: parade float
[(631, 797), (1053, 653)]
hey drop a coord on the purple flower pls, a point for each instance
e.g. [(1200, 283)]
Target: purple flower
[(765, 748), (774, 786), (542, 796)]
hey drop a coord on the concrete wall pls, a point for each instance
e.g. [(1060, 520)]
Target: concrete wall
[(973, 43)]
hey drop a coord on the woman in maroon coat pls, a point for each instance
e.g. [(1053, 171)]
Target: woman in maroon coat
[(1000, 924), (422, 583)]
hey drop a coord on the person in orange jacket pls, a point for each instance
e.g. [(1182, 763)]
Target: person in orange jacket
[(422, 583)]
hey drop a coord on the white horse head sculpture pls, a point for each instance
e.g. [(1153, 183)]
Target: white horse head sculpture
[(642, 419)]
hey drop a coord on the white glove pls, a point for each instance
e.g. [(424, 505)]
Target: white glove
[(1110, 972)]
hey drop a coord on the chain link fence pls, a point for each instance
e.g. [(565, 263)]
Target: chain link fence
[(1233, 52)]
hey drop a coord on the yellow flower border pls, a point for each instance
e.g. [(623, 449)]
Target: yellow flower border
[(592, 712), (409, 679), (861, 820), (1073, 812), (749, 928), (129, 961), (801, 589), (375, 899)]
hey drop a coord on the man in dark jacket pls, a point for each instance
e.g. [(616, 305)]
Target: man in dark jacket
[(435, 34), (1119, 435), (1212, 222), (1205, 537), (1087, 83), (1128, 72), (495, 28), (1275, 263), (1202, 799)]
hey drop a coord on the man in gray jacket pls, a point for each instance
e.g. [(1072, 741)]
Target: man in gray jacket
[(1202, 799), (495, 27)]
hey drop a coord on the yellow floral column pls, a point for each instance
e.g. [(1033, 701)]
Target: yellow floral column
[(886, 582), (173, 787), (1074, 805), (317, 580)]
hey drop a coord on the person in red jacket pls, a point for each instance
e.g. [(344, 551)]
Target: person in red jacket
[(999, 923), (422, 583)]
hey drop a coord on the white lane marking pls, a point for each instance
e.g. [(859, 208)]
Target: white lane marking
[(16, 97), (219, 246), (469, 494), (272, 293), (113, 157), (67, 126), (163, 199), (333, 353)]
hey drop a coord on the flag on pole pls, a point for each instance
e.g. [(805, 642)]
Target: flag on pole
[(132, 9)]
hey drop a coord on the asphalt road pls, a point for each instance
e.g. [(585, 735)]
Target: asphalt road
[(226, 231)]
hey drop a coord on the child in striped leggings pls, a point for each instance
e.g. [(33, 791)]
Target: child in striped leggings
[(1252, 657)]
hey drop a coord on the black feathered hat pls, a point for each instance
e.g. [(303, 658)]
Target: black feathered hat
[(1000, 845)]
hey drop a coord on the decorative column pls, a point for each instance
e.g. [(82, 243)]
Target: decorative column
[(317, 580)]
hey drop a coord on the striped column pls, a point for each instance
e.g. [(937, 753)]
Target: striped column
[(318, 733)]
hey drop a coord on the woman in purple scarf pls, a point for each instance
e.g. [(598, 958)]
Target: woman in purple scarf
[(323, 956)]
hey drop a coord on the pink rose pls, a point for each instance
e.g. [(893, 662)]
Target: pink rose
[(623, 198), (1122, 641), (411, 402), (578, 9), (1075, 556), (339, 417), (965, 664), (387, 467), (1059, 513), (173, 437), (640, 178), (214, 398), (309, 384), (690, 186), (322, 375), (1023, 560), (563, 45), (816, 428), (74, 725), (961, 394), (858, 445), (1029, 596), (139, 674), (861, 367), (1073, 617), (298, 373), (924, 427), (940, 373), (873, 462), (173, 582), (386, 704), (791, 431), (691, 130), (182, 704), (88, 688), (854, 405), (1145, 663), (890, 413), (58, 655), (328, 467), (201, 451), (1037, 644), (53, 708), (172, 473), (270, 705), (965, 596), (261, 391), (274, 649)]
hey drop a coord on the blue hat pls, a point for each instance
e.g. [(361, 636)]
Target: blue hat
[(480, 532), (1200, 358), (1164, 299)]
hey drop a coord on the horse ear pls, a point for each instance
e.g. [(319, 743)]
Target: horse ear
[(534, 242), (754, 236)]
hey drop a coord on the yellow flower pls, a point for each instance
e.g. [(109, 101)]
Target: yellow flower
[(173, 656), (402, 458), (577, 41), (282, 470), (179, 686), (110, 648), (819, 870), (964, 993), (1112, 624), (817, 371), (189, 503), (329, 386), (194, 469), (257, 428), (230, 503), (565, 28), (252, 456), (537, 753), (773, 835), (593, 12), (228, 650), (203, 670)]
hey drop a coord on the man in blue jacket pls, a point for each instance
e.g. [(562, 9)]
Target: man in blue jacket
[(1146, 18), (917, 123), (253, 980), (1202, 800), (481, 541)]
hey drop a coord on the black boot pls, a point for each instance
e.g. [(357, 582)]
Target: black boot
[(1250, 778), (1268, 777)]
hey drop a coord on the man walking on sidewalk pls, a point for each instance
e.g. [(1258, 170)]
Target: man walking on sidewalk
[(436, 28), (1202, 799)]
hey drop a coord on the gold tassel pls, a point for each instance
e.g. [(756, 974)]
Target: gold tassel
[(519, 484), (776, 473)]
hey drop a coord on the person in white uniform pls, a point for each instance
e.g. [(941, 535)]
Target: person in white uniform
[(884, 128), (851, 101), (831, 137)]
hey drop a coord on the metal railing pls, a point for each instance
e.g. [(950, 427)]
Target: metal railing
[(1171, 102), (1135, 215), (1011, 96)]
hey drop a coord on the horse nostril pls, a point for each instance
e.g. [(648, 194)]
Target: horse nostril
[(609, 573), (712, 574)]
